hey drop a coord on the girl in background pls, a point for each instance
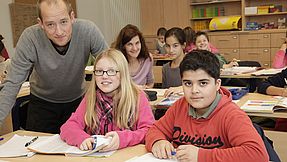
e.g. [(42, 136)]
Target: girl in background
[(131, 43), (190, 35), (160, 44), (175, 45), (280, 59), (113, 106)]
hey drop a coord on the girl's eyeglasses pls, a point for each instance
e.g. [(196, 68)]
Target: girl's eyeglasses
[(110, 72)]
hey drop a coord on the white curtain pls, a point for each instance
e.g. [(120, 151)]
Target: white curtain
[(110, 15)]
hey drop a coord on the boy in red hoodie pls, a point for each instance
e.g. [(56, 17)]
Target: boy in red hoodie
[(205, 125)]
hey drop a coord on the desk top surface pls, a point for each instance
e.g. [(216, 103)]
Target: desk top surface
[(118, 156), (248, 96)]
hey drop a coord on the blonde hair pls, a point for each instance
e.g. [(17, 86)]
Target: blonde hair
[(125, 101)]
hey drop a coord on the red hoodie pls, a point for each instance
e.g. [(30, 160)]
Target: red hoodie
[(227, 135)]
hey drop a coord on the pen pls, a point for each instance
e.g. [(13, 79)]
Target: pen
[(30, 142), (173, 153), (95, 143)]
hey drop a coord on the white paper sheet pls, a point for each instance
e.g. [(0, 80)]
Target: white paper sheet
[(148, 157), (16, 146)]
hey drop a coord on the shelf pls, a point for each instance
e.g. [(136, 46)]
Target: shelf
[(213, 2), (268, 14), (201, 18), (208, 18)]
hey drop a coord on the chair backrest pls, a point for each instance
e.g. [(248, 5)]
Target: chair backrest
[(157, 72), (268, 144), (249, 63)]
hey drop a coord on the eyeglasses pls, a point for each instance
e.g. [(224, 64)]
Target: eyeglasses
[(110, 72)]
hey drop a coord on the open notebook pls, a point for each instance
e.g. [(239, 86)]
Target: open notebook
[(55, 145), (265, 106), (167, 102), (267, 72), (238, 70), (15, 147)]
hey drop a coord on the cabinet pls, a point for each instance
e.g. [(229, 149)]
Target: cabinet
[(202, 11), (163, 13), (228, 44), (258, 46)]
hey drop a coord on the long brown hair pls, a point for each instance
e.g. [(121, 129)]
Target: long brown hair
[(126, 34)]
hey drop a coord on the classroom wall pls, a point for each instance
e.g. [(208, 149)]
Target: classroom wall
[(5, 25), (109, 15)]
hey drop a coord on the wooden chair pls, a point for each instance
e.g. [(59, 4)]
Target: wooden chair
[(157, 72)]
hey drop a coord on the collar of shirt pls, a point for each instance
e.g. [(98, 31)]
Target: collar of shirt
[(211, 108)]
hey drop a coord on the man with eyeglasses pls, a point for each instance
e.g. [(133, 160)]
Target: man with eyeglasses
[(57, 50)]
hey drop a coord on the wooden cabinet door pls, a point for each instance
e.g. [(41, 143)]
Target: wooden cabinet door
[(229, 54), (150, 42), (225, 41), (151, 16), (176, 13), (255, 54), (277, 39), (262, 55), (254, 40)]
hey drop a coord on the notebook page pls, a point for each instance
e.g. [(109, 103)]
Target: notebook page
[(16, 146), (54, 145)]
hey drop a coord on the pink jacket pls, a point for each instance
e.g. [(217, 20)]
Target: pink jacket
[(73, 131), (280, 60)]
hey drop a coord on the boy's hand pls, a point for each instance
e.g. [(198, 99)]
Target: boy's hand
[(87, 144), (187, 153), (115, 142), (162, 149)]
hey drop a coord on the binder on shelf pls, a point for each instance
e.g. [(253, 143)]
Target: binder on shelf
[(225, 23)]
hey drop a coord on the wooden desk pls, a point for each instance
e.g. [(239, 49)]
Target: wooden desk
[(279, 141), (167, 57), (244, 76), (119, 156), (249, 96)]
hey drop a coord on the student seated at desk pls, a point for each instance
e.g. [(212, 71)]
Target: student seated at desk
[(113, 106), (160, 43), (175, 45), (189, 35), (205, 125), (202, 43), (275, 85), (280, 59)]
